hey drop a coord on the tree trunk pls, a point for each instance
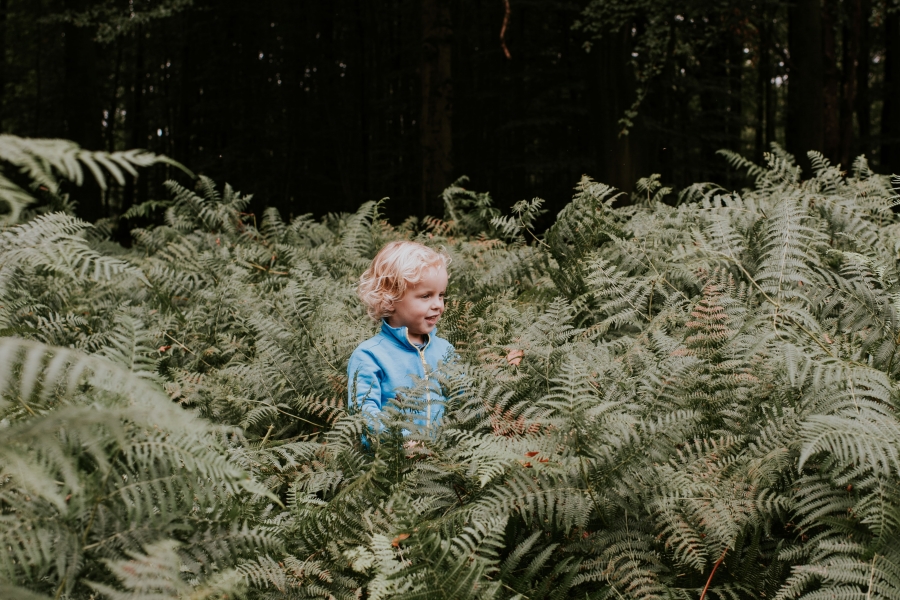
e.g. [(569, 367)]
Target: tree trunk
[(136, 191), (806, 103), (83, 107), (771, 90), (715, 102), (38, 78), (763, 81), (863, 108), (436, 124), (4, 13), (188, 94), (622, 159), (113, 106), (890, 117), (832, 129), (735, 90), (849, 61), (364, 95)]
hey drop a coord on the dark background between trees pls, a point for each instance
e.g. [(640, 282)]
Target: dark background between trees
[(316, 106)]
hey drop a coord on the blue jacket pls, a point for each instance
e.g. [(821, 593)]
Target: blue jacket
[(386, 362)]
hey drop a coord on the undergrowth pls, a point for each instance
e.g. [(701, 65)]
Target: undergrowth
[(680, 398)]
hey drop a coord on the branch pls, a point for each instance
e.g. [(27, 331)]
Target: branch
[(506, 14)]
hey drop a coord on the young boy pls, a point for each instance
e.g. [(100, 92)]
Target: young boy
[(404, 288)]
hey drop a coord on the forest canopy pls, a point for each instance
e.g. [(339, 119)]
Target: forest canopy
[(320, 106)]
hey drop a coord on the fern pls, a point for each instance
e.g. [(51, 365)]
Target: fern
[(44, 162), (648, 401)]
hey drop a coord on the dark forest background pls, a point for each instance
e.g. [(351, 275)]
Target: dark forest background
[(317, 106)]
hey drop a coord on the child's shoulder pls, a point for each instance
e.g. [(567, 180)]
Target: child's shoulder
[(369, 344), (440, 344), (366, 353)]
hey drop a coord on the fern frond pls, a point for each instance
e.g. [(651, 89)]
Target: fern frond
[(44, 161)]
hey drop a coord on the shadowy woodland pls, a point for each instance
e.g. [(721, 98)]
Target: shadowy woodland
[(320, 106), (688, 391)]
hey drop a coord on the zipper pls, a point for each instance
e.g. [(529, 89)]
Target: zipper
[(421, 354), (427, 388)]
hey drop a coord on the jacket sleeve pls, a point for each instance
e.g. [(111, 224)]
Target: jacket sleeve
[(364, 388)]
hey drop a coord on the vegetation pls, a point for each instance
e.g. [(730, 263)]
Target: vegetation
[(685, 397)]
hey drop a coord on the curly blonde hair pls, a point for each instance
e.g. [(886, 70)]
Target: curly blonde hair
[(396, 266)]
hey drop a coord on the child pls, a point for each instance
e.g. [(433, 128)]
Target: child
[(404, 288)]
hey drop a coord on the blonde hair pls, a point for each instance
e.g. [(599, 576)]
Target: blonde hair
[(396, 266)]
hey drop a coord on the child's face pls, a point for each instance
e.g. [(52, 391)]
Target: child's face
[(421, 305)]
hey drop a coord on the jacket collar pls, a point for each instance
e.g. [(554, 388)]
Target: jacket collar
[(401, 335)]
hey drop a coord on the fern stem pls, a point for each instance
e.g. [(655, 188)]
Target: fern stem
[(266, 437), (28, 408), (287, 414), (536, 238), (853, 393), (180, 345), (262, 268), (715, 566), (183, 347), (587, 485), (97, 504), (87, 530), (613, 588), (659, 276), (62, 584), (312, 340), (871, 579), (777, 305)]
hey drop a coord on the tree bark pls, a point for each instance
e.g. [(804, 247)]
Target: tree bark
[(4, 13), (364, 95), (890, 117), (113, 105), (863, 108), (188, 94), (136, 191), (771, 91), (715, 102), (621, 159), (83, 112), (806, 80), (849, 62), (38, 78), (832, 129), (763, 81), (83, 106), (735, 91), (436, 123)]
